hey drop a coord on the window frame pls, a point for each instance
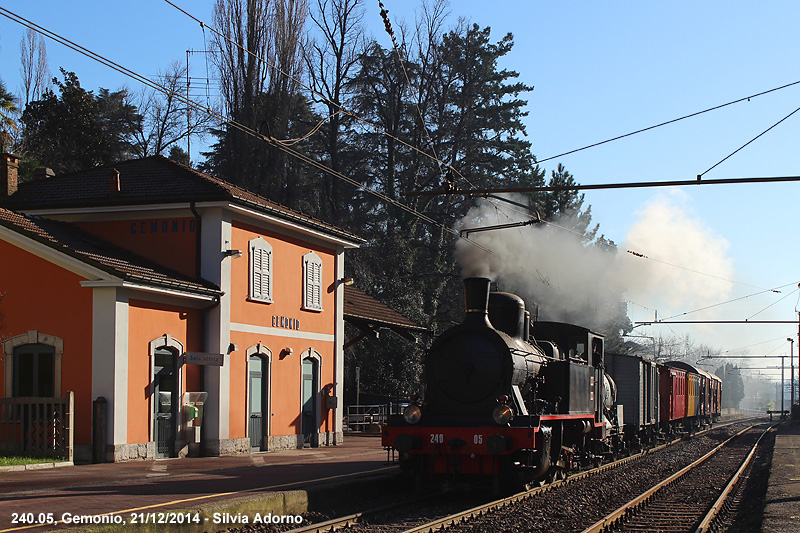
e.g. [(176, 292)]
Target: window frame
[(312, 261), (256, 247), (32, 337)]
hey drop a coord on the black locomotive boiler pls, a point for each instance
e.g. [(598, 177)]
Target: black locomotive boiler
[(499, 403)]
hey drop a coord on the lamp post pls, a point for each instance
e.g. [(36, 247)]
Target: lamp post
[(783, 389)]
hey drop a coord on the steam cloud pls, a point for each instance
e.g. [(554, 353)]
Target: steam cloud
[(574, 281)]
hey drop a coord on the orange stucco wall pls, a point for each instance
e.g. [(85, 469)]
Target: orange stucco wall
[(45, 297), (147, 322), (286, 378), (285, 382), (287, 283), (150, 238)]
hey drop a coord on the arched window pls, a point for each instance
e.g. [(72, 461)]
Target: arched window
[(312, 282), (260, 270), (33, 365)]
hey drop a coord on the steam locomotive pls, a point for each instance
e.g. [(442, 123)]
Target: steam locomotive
[(502, 403)]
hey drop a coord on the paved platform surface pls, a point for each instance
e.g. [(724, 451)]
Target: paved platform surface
[(782, 503), (279, 482)]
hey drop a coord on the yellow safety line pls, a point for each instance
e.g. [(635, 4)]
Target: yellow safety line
[(207, 496)]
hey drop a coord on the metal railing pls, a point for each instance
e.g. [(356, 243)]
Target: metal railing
[(362, 417), (38, 427)]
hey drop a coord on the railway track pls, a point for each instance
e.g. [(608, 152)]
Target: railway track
[(692, 499), (430, 515), (399, 516)]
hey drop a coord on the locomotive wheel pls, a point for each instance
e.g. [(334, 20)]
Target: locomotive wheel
[(556, 475)]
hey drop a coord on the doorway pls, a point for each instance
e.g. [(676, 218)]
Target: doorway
[(165, 401), (310, 410), (259, 404)]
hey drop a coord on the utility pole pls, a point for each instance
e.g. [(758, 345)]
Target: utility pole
[(791, 371)]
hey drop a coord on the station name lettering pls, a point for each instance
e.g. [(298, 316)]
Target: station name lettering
[(163, 226), (285, 322)]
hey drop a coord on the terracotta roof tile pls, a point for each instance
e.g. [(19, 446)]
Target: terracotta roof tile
[(151, 180), (360, 306), (101, 254)]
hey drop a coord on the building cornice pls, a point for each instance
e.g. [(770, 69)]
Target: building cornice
[(149, 288)]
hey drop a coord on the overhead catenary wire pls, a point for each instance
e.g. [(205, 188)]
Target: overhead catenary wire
[(618, 137), (773, 303), (740, 348), (539, 161), (538, 219), (316, 93), (205, 109), (747, 143), (241, 127), (643, 256), (735, 300)]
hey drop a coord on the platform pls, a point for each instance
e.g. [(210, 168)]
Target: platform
[(782, 502), (279, 482)]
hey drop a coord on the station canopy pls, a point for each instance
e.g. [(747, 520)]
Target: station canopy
[(370, 316)]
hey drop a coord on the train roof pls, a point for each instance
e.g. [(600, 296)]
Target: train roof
[(686, 366), (633, 355)]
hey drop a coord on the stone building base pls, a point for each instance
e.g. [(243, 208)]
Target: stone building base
[(146, 451)]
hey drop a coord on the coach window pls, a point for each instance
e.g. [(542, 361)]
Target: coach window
[(33, 365), (260, 270), (312, 282)]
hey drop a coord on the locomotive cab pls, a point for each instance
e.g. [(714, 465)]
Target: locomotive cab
[(497, 403)]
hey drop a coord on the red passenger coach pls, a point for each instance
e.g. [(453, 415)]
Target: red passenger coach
[(672, 389), (690, 397)]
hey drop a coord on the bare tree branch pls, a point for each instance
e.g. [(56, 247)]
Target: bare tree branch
[(166, 118), (34, 71)]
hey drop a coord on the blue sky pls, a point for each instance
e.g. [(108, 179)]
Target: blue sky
[(600, 70)]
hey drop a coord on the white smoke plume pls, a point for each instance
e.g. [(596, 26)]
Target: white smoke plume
[(575, 281)]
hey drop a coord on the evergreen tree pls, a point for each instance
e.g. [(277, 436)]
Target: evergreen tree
[(732, 386), (76, 130), (443, 97)]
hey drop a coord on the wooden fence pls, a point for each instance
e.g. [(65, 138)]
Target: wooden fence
[(37, 427)]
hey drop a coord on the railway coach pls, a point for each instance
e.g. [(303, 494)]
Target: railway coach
[(637, 380)]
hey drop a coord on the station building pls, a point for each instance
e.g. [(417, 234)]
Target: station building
[(148, 284)]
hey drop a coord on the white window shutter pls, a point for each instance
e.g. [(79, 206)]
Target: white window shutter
[(312, 282), (260, 270)]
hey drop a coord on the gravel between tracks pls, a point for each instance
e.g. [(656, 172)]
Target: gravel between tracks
[(575, 506)]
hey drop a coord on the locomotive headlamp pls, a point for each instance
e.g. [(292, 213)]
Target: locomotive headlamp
[(412, 414), (503, 414)]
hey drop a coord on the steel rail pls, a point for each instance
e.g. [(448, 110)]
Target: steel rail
[(444, 522), (714, 512), (612, 518), (355, 518), (335, 524)]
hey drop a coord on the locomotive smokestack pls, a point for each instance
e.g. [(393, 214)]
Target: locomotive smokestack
[(476, 294)]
